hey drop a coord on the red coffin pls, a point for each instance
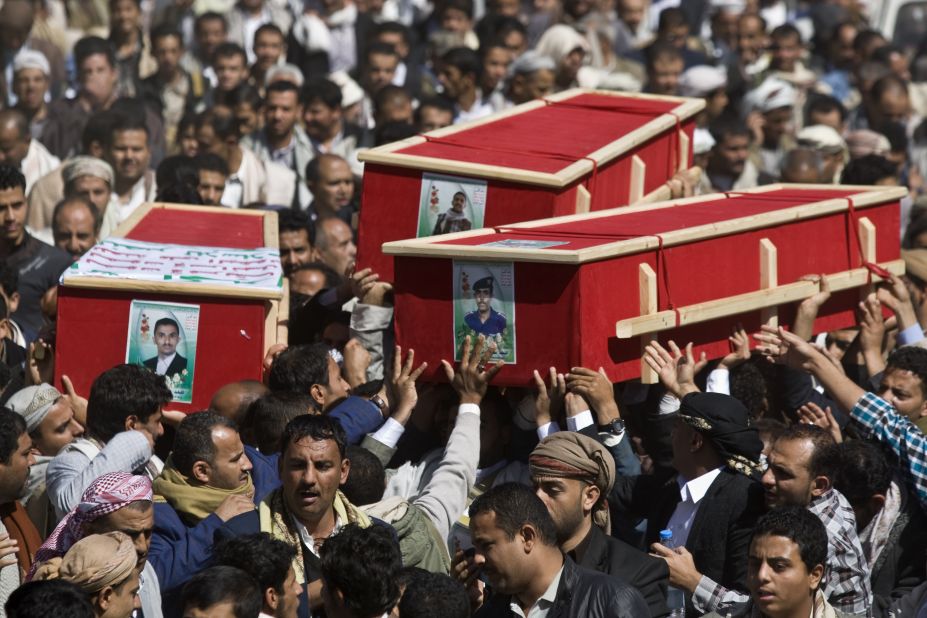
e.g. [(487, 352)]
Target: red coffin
[(576, 151), (594, 288)]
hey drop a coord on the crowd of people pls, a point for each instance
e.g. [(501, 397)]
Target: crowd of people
[(787, 479)]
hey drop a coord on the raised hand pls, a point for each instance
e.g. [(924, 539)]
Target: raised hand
[(548, 403), (740, 349), (812, 414), (403, 380), (472, 377), (676, 371), (596, 389)]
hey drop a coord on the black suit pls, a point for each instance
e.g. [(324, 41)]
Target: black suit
[(177, 365), (720, 533), (606, 554)]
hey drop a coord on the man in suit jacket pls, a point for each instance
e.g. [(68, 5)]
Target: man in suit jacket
[(572, 474), (713, 500), (168, 362)]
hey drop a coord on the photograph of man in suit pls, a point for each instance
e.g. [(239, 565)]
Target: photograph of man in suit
[(485, 320), (454, 219), (166, 336)]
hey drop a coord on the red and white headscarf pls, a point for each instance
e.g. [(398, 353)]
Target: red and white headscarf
[(107, 494)]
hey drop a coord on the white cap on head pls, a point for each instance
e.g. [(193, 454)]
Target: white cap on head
[(531, 61), (31, 59), (288, 72), (821, 137), (702, 141), (702, 80), (33, 403), (351, 93), (772, 94)]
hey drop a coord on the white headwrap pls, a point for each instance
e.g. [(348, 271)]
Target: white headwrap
[(772, 94), (31, 59)]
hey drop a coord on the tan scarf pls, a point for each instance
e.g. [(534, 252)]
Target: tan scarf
[(192, 502), (277, 520)]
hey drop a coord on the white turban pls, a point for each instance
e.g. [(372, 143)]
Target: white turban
[(772, 94), (531, 61), (559, 40), (702, 80), (75, 167), (33, 403), (31, 59), (702, 141), (822, 138)]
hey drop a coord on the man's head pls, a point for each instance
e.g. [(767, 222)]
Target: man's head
[(482, 294), (434, 113), (664, 67), (221, 592), (426, 594), (13, 207), (531, 76), (334, 244), (208, 451), (308, 370), (311, 278), (774, 99), (802, 165), (872, 169), (496, 59), (269, 47), (786, 46), (360, 572), (513, 534), (282, 109), (572, 474), (786, 562), (96, 70), (53, 597), (332, 184), (49, 418), (295, 243), (217, 133), (16, 18), (75, 224), (247, 106), (889, 101), (864, 477), (167, 48), (31, 73), (231, 66), (826, 110), (212, 171), (89, 178), (731, 149), (15, 455), (126, 397), (367, 480), (382, 60), (321, 100), (709, 83), (166, 336), (803, 462), (392, 104), (210, 30), (270, 414), (233, 400), (459, 72), (15, 137), (127, 150), (904, 382), (751, 37), (312, 466), (269, 561), (455, 15)]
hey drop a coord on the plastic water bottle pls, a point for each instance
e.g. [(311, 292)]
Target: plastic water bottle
[(675, 598)]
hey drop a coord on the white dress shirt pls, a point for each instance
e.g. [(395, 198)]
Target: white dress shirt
[(163, 363), (690, 494), (542, 606)]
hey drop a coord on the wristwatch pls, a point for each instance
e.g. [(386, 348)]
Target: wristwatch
[(614, 427), (378, 402)]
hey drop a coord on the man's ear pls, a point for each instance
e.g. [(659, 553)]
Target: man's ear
[(5, 329), (876, 502), (201, 471), (820, 485), (814, 578), (131, 422), (698, 441), (14, 302), (345, 470), (104, 598), (271, 598), (590, 495), (316, 391)]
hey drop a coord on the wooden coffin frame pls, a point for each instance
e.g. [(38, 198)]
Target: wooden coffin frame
[(276, 304), (685, 109), (651, 321)]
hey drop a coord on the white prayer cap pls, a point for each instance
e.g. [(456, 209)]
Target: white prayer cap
[(772, 94), (82, 165), (351, 93), (31, 59), (822, 138), (702, 141), (734, 6), (33, 403), (702, 80), (531, 61), (288, 72)]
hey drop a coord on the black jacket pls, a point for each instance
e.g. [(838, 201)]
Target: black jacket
[(611, 556), (581, 594), (900, 565)]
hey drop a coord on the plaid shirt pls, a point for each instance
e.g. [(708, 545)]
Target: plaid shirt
[(846, 585), (876, 418)]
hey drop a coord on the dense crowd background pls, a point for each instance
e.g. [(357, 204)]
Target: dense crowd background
[(787, 479)]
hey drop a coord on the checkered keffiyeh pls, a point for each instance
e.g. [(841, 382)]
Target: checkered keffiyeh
[(107, 494)]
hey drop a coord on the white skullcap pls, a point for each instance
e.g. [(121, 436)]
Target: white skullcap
[(702, 141), (772, 94), (351, 93), (821, 137), (31, 59), (33, 403), (82, 165), (734, 6), (702, 80), (288, 72), (531, 61)]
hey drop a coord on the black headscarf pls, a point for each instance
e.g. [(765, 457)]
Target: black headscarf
[(725, 422)]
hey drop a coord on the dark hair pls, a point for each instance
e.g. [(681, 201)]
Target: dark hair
[(210, 16), (211, 162), (363, 564), (53, 597), (91, 46), (223, 584), (392, 27), (381, 49), (661, 51), (77, 199), (367, 481), (12, 425), (516, 505), (464, 60), (896, 135), (293, 221), (166, 322), (324, 90), (228, 50), (11, 177), (245, 93), (270, 414), (331, 277), (175, 169), (315, 427), (282, 85), (785, 31), (298, 368), (193, 441), (800, 526), (223, 125), (120, 392), (910, 358), (165, 30), (748, 386), (825, 458), (464, 6), (389, 132), (124, 120), (824, 104), (97, 129), (671, 17), (439, 102), (888, 83), (432, 594), (274, 28), (9, 276), (868, 170), (864, 471), (179, 193), (388, 95), (260, 555), (864, 38)]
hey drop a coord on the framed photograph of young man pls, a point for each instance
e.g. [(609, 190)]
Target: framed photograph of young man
[(450, 204), (484, 304), (162, 338)]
